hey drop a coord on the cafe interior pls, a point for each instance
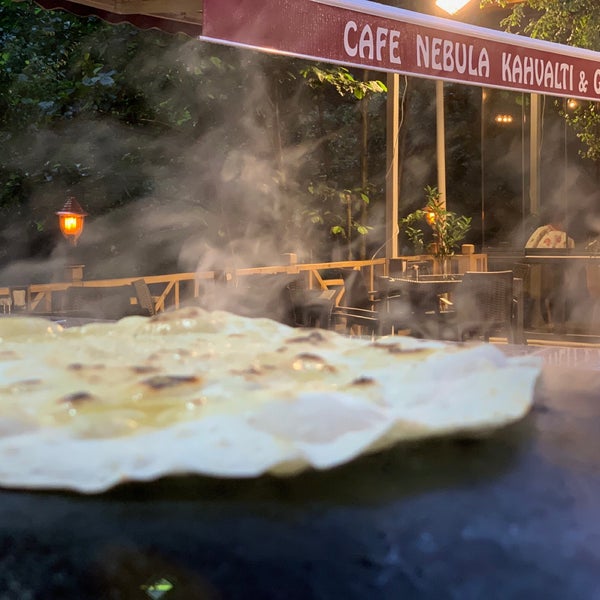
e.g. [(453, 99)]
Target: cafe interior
[(554, 291)]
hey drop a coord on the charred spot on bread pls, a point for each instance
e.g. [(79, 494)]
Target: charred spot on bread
[(77, 398), (161, 382), (251, 370), (81, 366), (398, 349), (314, 337), (309, 361), (144, 369)]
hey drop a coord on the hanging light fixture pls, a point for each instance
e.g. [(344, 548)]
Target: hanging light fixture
[(71, 220), (430, 217), (503, 119), (451, 6)]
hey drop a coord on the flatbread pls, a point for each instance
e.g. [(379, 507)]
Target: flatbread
[(191, 391)]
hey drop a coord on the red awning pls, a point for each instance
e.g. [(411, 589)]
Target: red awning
[(378, 37), (369, 35), (117, 11)]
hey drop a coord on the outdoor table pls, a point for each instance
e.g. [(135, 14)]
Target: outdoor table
[(512, 514), (564, 258), (425, 286)]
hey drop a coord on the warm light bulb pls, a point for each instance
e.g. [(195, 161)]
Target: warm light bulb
[(71, 224), (451, 6)]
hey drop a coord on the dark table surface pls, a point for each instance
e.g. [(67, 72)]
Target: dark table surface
[(515, 514), (565, 257)]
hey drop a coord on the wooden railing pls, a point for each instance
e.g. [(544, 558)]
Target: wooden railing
[(167, 289), (168, 293)]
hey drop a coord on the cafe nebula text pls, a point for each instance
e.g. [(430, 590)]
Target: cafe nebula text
[(370, 43), (452, 57)]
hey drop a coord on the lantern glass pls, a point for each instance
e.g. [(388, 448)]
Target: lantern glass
[(71, 225), (71, 220)]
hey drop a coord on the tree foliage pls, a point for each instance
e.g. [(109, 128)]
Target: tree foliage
[(173, 146), (570, 22), (448, 229), (355, 202)]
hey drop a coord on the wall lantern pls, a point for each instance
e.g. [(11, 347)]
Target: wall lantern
[(71, 220)]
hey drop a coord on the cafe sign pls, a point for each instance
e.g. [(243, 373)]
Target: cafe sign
[(371, 35)]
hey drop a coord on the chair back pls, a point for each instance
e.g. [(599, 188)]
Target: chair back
[(356, 293), (522, 271), (110, 303), (396, 267), (382, 285), (144, 297), (313, 308), (267, 296), (484, 302), (419, 267), (20, 297), (592, 279)]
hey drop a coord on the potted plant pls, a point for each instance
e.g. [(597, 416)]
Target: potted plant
[(448, 229)]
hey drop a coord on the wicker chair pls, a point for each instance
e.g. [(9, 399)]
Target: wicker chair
[(358, 309), (483, 305)]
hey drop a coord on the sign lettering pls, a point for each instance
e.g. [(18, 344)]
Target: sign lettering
[(370, 35), (365, 44), (452, 57)]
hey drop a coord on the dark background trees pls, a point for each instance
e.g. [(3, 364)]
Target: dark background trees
[(179, 150), (190, 155)]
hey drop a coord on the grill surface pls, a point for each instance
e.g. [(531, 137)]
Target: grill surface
[(510, 515)]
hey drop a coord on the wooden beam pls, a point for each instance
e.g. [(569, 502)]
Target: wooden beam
[(168, 8)]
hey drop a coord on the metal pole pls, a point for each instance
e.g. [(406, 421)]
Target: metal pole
[(483, 96), (534, 156), (523, 170), (392, 170), (441, 140), (565, 159)]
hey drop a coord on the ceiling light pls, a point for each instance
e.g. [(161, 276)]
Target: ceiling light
[(451, 6)]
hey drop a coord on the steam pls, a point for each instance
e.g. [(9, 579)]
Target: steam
[(232, 194), (225, 198)]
